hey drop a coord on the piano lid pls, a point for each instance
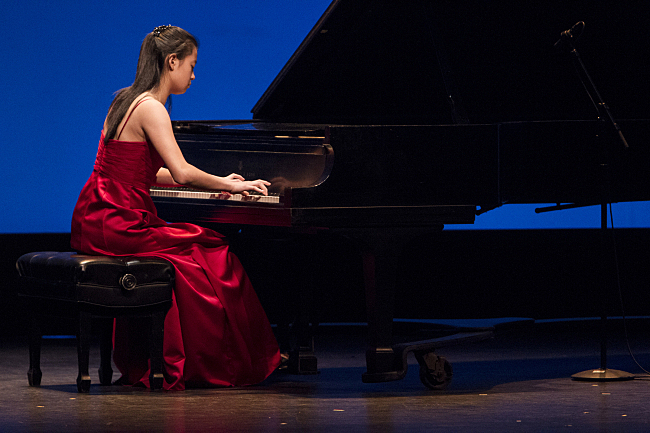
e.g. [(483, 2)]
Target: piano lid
[(460, 61)]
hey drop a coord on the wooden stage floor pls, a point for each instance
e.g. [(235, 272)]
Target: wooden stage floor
[(519, 381)]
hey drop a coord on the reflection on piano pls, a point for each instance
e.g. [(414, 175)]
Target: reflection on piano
[(394, 118)]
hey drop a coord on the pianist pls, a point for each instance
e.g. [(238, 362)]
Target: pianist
[(216, 332)]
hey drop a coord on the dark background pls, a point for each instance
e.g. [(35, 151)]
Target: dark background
[(540, 274)]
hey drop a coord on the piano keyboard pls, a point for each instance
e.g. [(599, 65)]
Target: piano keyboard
[(212, 195)]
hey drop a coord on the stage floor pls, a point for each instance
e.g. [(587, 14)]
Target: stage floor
[(519, 381)]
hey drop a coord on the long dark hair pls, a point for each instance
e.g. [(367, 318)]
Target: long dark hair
[(157, 45)]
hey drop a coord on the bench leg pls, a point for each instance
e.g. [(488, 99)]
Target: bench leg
[(156, 350), (105, 351), (83, 351), (34, 374)]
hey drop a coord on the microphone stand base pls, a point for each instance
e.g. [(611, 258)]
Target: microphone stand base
[(602, 375)]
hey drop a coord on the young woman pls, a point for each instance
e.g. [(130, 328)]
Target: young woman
[(216, 332)]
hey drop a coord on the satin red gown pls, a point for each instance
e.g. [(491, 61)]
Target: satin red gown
[(216, 332)]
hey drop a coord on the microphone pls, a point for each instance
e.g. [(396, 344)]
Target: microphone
[(571, 34)]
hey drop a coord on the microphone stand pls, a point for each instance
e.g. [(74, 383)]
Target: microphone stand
[(602, 373)]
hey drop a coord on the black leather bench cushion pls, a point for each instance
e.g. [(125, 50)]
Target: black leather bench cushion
[(96, 280)]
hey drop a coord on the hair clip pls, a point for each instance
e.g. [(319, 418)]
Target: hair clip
[(158, 30)]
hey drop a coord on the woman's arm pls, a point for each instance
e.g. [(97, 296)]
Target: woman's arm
[(164, 177), (158, 129)]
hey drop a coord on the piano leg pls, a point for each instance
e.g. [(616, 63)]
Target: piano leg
[(302, 358), (379, 270), (381, 249), (385, 361)]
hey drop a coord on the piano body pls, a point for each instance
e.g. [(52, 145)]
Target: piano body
[(395, 118)]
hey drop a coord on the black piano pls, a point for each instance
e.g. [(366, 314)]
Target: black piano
[(395, 118)]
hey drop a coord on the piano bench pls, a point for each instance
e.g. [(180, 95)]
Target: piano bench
[(99, 288)]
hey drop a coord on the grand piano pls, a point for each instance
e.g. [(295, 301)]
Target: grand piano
[(394, 118)]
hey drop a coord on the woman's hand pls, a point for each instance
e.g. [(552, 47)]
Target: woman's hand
[(239, 185)]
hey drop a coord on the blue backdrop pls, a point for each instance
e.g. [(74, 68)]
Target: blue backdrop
[(65, 59)]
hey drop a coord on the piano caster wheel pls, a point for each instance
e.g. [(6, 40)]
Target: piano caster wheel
[(435, 371)]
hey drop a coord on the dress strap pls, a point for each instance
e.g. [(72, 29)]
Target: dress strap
[(129, 116)]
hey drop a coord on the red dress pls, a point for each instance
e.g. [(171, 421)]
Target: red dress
[(216, 332)]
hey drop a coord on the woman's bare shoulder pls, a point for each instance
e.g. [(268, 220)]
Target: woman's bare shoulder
[(144, 111), (151, 111)]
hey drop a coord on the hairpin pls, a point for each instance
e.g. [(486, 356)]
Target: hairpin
[(158, 30)]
